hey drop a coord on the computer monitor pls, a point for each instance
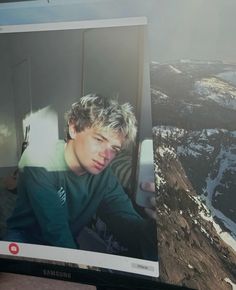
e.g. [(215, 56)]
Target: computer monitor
[(47, 68), (185, 113)]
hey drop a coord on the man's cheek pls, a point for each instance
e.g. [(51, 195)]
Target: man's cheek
[(111, 158)]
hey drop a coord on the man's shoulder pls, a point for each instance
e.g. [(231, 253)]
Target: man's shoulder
[(48, 156)]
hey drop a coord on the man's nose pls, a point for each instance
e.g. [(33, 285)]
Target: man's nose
[(106, 153)]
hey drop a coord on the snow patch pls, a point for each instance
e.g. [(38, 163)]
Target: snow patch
[(174, 69), (231, 283), (225, 159), (163, 151), (217, 91), (229, 76), (159, 94)]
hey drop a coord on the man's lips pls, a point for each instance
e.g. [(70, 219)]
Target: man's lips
[(99, 165)]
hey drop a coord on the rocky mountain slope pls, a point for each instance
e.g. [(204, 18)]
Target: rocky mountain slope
[(192, 252), (194, 120)]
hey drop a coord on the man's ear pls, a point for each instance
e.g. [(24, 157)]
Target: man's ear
[(72, 131)]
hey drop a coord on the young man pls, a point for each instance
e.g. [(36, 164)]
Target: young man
[(61, 187)]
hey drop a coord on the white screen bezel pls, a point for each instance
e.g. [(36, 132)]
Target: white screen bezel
[(85, 258)]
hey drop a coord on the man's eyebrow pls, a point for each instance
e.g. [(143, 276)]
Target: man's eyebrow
[(104, 138), (100, 135)]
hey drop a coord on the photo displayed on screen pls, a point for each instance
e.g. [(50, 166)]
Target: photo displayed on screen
[(194, 134), (70, 142)]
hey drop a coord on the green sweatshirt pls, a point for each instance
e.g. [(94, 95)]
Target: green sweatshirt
[(57, 204)]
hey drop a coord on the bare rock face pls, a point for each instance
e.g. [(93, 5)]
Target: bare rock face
[(194, 126), (192, 253)]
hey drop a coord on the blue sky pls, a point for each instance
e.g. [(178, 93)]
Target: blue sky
[(199, 29)]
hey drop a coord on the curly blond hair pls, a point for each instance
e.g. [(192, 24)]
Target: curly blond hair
[(101, 112)]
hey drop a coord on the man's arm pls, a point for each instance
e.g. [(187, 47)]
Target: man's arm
[(117, 211)]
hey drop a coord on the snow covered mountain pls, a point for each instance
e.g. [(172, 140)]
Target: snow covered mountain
[(199, 97), (208, 157), (194, 129), (218, 91)]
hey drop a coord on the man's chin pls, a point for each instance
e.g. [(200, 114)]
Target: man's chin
[(95, 171)]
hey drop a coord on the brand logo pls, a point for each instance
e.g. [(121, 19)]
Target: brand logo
[(62, 194), (57, 274)]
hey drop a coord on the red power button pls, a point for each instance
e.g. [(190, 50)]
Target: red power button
[(13, 248)]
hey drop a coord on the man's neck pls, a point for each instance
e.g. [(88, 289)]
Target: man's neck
[(71, 160)]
